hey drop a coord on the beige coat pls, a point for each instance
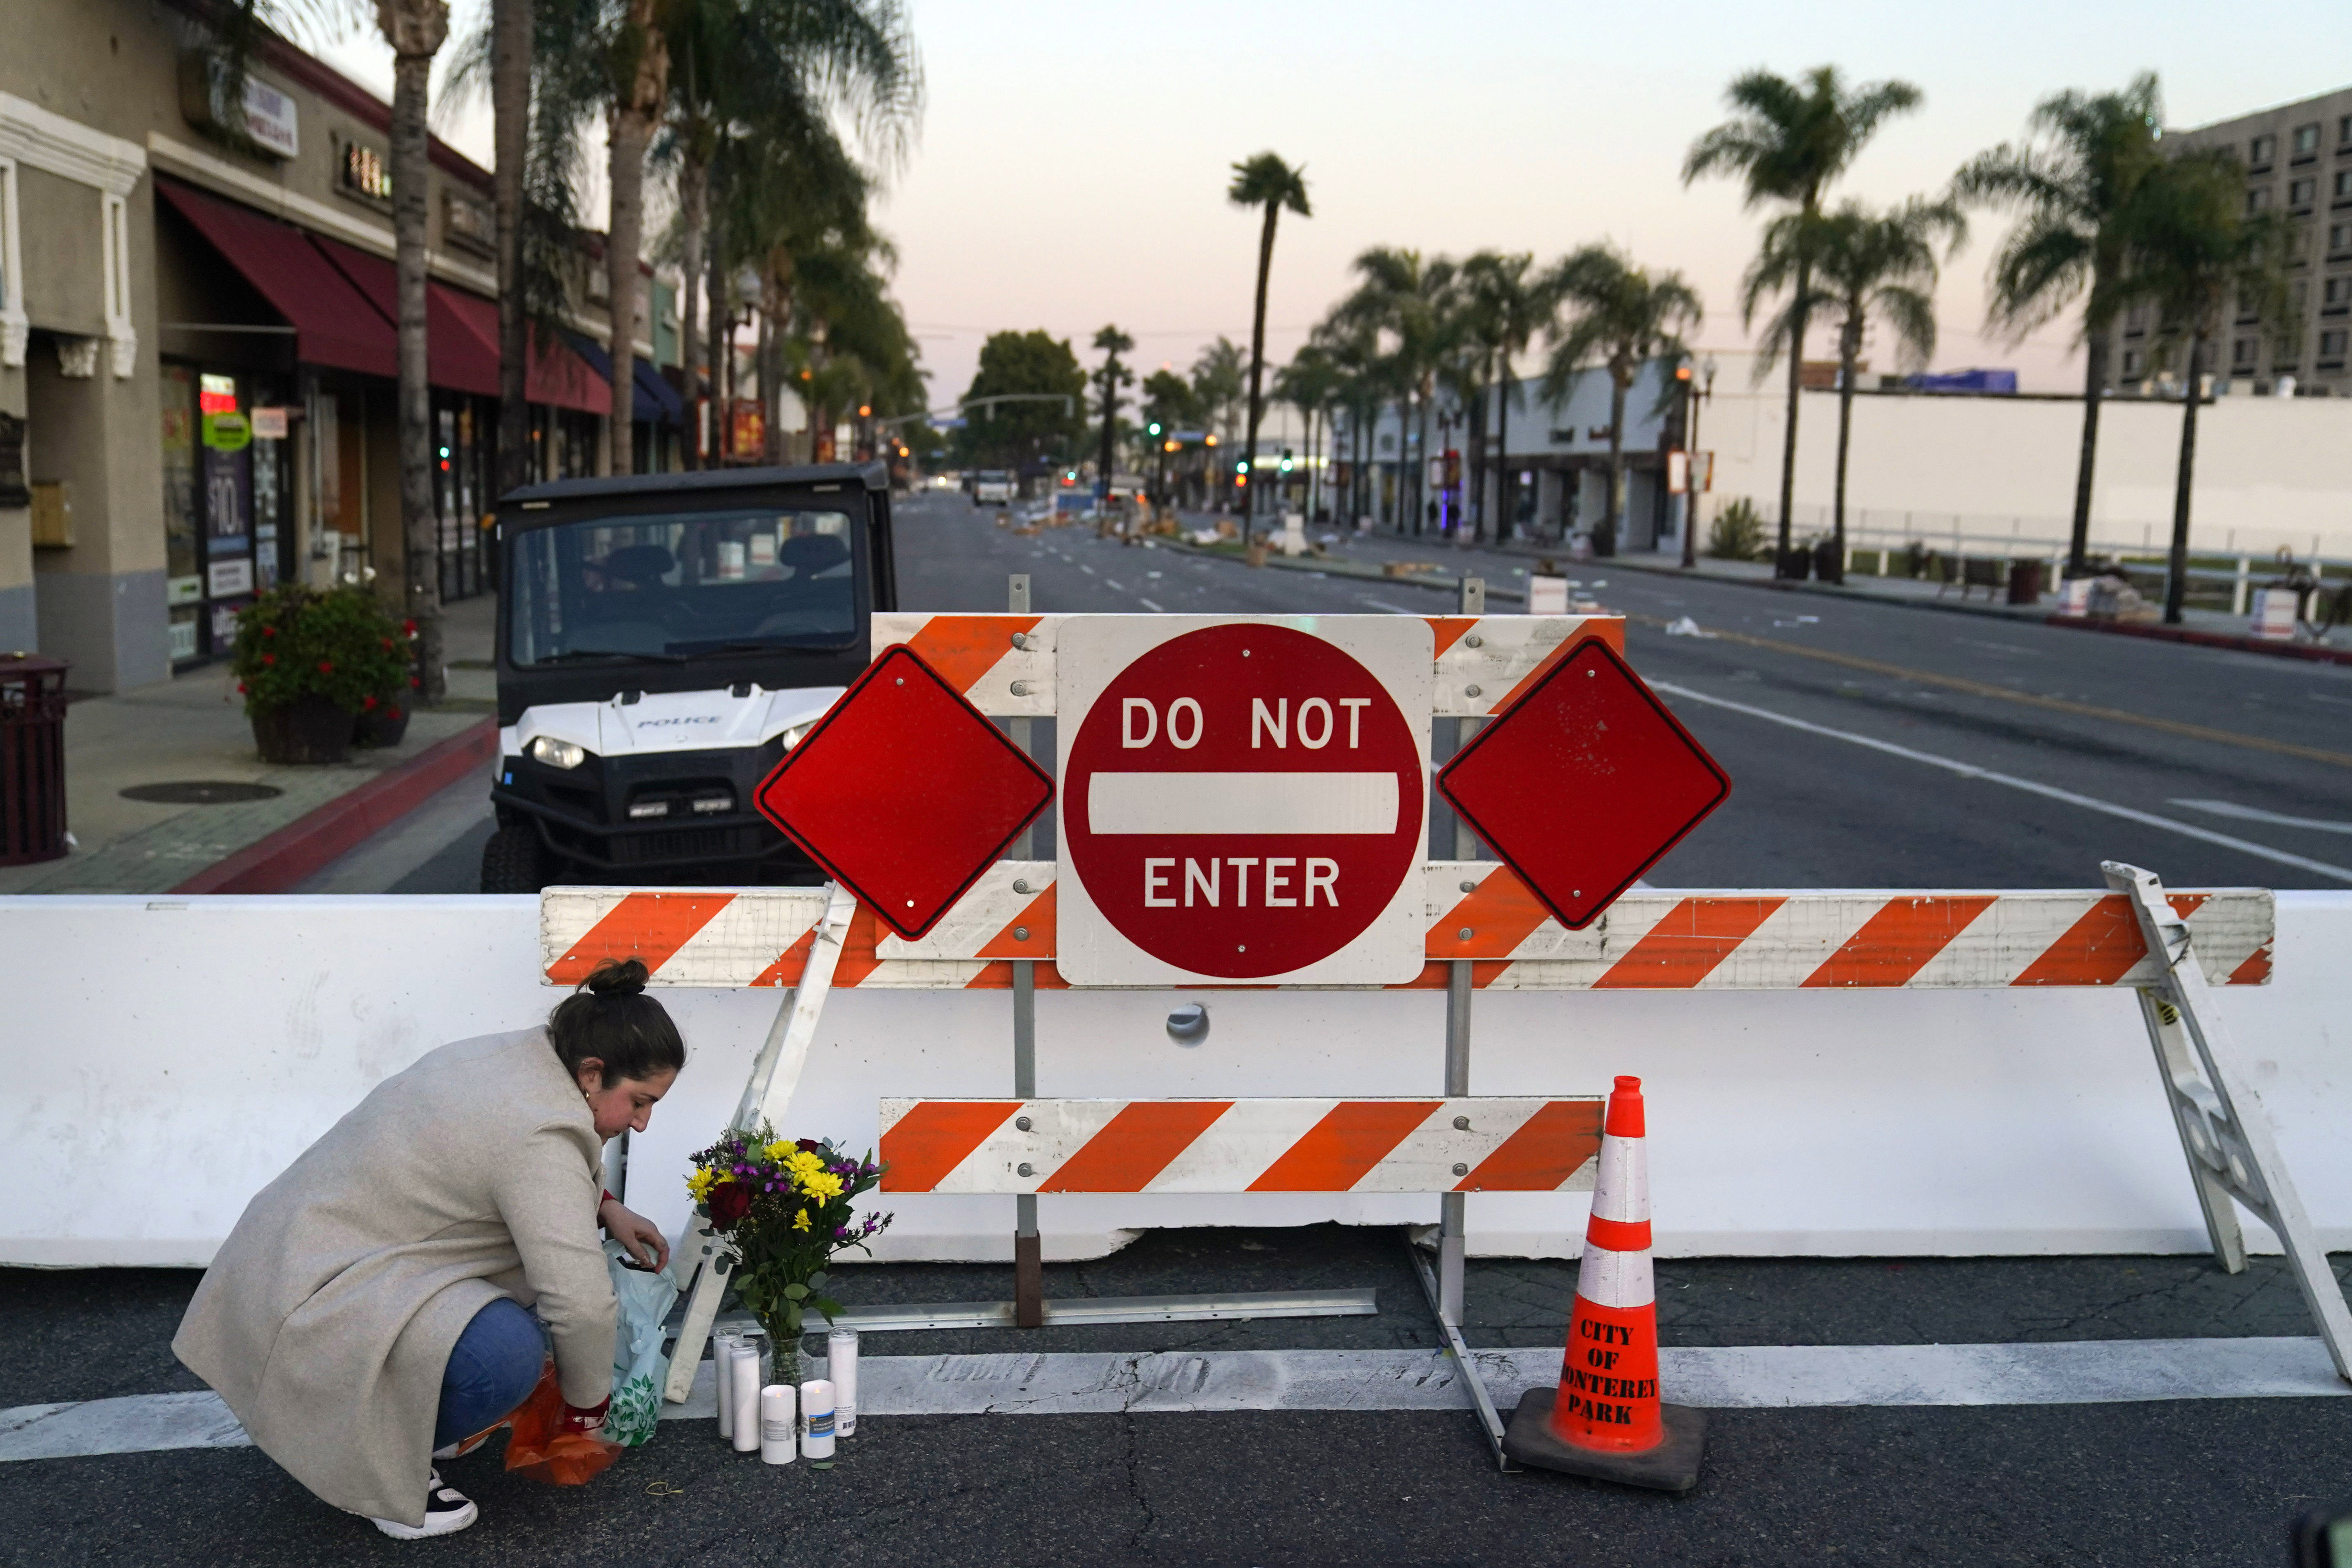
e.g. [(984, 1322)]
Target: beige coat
[(329, 1315)]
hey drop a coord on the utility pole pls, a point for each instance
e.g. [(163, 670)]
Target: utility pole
[(1697, 393)]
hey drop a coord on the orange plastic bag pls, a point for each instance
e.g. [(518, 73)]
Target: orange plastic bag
[(540, 1448)]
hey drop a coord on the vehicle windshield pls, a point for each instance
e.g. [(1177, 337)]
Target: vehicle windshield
[(679, 586)]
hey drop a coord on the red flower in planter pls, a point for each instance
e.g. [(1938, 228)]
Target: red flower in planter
[(414, 683), (326, 667), (269, 631), (408, 627), (367, 703), (241, 689), (387, 645), (269, 658), (393, 712)]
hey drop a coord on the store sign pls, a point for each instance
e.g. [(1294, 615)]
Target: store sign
[(267, 116), (183, 591), (747, 432), (224, 579), (230, 432), (270, 120), (269, 424)]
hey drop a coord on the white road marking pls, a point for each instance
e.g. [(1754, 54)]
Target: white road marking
[(2256, 814), (2048, 791), (1155, 609), (1752, 1377), (1083, 567), (1119, 588), (1383, 605)]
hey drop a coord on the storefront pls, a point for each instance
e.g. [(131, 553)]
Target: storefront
[(228, 489)]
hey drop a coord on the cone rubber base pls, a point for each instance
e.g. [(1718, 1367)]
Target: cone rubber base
[(1671, 1467)]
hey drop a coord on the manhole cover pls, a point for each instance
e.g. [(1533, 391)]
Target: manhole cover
[(200, 791)]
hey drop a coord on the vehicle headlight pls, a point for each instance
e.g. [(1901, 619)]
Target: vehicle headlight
[(797, 733), (558, 754)]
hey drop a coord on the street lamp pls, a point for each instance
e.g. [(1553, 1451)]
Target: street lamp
[(1697, 393)]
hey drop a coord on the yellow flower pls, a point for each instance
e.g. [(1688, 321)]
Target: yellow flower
[(800, 1220), (781, 1148), (823, 1185), (697, 1186), (803, 1164)]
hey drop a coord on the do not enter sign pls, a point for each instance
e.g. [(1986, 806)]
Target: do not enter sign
[(1242, 800)]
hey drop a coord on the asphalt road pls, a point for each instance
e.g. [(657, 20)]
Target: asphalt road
[(1855, 762)]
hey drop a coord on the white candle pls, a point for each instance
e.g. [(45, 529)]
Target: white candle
[(816, 1419), (745, 1390), (779, 1424), (722, 1360), (841, 1357)]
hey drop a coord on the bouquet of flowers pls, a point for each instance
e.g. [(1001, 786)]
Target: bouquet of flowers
[(783, 1206)]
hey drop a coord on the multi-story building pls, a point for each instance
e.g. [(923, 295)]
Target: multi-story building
[(2298, 160), (197, 346)]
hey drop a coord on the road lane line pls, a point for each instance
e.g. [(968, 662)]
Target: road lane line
[(2055, 704), (1754, 1377), (1384, 606), (1155, 609), (2050, 792), (2256, 814)]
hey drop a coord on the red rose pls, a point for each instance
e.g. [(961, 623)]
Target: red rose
[(414, 683), (729, 1202), (367, 703), (325, 668), (809, 1146), (393, 712), (408, 627), (269, 631), (387, 645), (241, 689), (269, 658)]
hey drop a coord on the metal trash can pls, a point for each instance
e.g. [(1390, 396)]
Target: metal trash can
[(32, 758)]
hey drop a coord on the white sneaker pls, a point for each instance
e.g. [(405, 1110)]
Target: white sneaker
[(445, 1514)]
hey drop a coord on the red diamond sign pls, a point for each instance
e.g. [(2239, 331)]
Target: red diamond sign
[(1583, 783), (904, 792)]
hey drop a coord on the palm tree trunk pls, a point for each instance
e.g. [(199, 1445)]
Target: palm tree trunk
[(2094, 373), (1605, 543), (510, 47), (719, 344), (1257, 367), (1849, 349), (2176, 565), (1796, 386), (634, 119), (415, 31), (694, 201)]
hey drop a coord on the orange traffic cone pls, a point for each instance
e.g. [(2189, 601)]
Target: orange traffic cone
[(1606, 1420)]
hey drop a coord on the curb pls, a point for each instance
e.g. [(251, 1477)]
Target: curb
[(279, 860), (2309, 652)]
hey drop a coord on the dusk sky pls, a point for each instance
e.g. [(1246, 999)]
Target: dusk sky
[(1071, 164)]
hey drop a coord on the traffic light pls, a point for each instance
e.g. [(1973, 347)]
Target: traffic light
[(865, 411), (1211, 439), (1286, 459), (1241, 465), (1153, 428)]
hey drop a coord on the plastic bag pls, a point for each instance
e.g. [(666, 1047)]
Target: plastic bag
[(640, 1366), (541, 1450)]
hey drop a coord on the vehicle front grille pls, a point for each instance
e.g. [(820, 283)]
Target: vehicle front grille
[(689, 844)]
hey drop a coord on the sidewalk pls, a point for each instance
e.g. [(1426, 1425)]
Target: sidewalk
[(1506, 568), (192, 729)]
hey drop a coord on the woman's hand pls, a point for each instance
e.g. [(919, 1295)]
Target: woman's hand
[(633, 1231)]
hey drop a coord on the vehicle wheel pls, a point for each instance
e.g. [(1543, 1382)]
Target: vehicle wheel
[(514, 861)]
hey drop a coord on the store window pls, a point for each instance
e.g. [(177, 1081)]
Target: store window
[(463, 431), (226, 517)]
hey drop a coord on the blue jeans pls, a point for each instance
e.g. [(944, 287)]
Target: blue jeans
[(492, 1369)]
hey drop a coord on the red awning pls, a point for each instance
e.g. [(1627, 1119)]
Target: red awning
[(456, 358), (553, 374), (334, 324)]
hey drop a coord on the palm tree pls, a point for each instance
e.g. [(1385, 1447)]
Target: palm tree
[(1788, 142), (510, 74), (1620, 316), (1267, 182), (1309, 382), (1866, 264), (2074, 187), (1506, 304), (1110, 378), (1406, 302), (1218, 383), (416, 30), (2193, 250)]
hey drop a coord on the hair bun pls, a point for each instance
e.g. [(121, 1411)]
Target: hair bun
[(618, 977)]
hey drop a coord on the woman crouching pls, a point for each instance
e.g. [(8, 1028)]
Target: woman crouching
[(396, 1292)]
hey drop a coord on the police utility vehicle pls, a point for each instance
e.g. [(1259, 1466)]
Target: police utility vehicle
[(662, 641)]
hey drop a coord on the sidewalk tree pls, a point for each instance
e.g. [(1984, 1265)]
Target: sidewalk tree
[(2075, 184), (1506, 304), (416, 30), (1267, 183), (1221, 382), (2197, 253), (1863, 264), (1620, 316), (1010, 433), (1788, 142)]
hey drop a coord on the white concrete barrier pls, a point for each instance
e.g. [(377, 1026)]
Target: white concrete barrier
[(163, 1058)]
